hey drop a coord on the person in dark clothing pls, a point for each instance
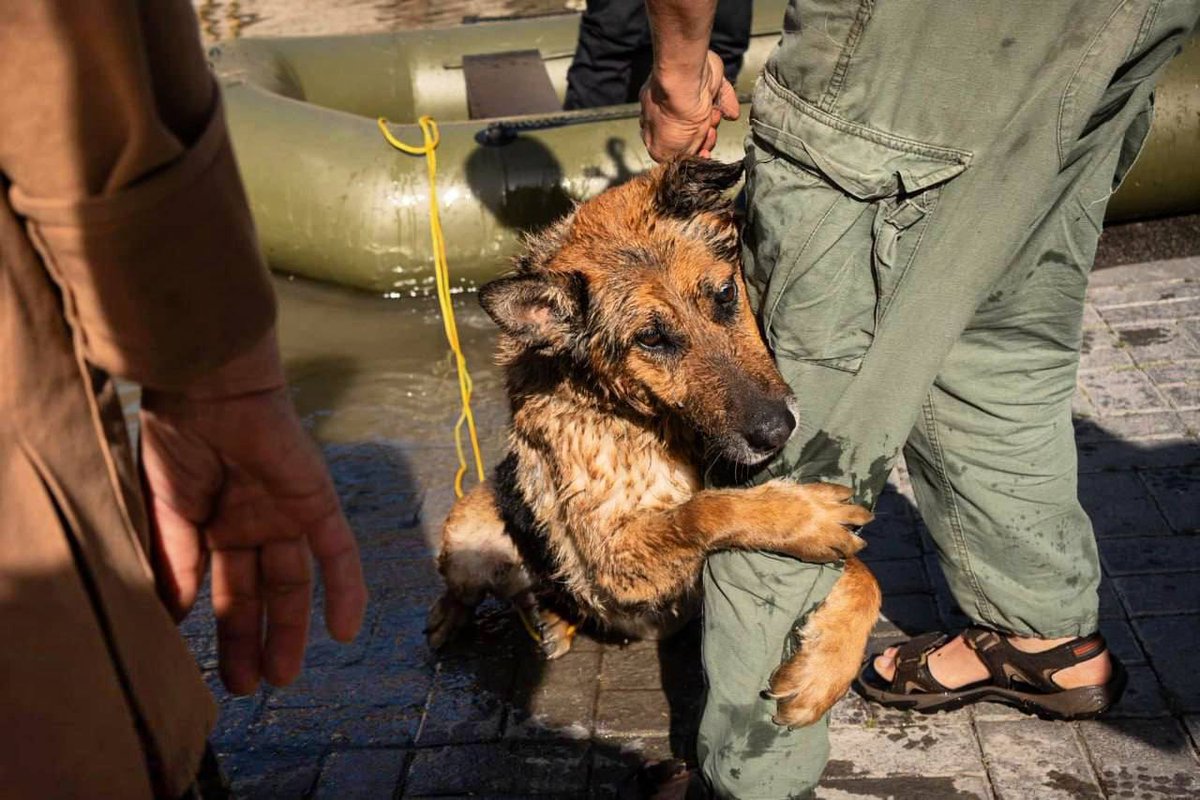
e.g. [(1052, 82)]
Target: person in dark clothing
[(613, 57)]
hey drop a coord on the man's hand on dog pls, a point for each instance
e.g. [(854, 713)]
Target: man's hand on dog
[(681, 112)]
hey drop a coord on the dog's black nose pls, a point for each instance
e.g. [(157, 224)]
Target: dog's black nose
[(770, 429)]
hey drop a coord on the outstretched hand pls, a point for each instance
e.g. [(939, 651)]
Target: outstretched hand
[(680, 113), (232, 478)]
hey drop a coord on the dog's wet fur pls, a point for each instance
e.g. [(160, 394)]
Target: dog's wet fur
[(633, 363)]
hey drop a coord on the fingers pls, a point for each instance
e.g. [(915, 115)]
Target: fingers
[(286, 569), (336, 551), (179, 558), (237, 605)]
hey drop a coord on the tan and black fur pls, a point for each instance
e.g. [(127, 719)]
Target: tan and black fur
[(633, 363)]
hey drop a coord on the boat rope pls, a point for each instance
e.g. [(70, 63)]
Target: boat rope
[(428, 148)]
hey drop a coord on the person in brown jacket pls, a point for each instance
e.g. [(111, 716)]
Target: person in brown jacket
[(127, 251)]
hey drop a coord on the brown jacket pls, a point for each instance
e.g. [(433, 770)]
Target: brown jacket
[(126, 249)]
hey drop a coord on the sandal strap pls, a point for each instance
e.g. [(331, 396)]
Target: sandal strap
[(1006, 664), (912, 665)]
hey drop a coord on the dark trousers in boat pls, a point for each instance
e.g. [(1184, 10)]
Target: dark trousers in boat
[(612, 59)]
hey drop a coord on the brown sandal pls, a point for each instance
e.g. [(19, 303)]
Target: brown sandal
[(1015, 678)]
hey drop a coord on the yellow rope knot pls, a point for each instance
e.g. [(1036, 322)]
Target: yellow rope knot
[(441, 269)]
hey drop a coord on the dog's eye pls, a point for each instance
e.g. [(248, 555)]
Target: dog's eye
[(651, 339), (726, 294)]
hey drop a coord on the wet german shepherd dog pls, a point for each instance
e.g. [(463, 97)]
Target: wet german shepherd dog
[(634, 363)]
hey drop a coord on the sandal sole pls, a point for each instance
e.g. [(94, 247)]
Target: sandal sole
[(1086, 702)]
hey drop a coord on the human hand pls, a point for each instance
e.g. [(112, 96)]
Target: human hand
[(232, 477), (680, 113)]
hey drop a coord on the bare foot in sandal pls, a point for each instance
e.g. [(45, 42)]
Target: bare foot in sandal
[(955, 664), (1072, 678)]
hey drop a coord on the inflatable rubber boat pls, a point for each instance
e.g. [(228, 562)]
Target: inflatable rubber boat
[(333, 201)]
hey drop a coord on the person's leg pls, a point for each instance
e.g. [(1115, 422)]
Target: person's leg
[(731, 34), (751, 602), (613, 34), (890, 190)]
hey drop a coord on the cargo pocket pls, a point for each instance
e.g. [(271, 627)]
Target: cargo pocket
[(836, 215)]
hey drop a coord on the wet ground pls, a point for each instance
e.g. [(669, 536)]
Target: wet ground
[(384, 717)]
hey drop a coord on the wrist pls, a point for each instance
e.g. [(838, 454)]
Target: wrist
[(258, 368)]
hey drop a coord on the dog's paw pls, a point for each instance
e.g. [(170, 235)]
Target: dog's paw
[(807, 685), (821, 528), (446, 618), (556, 635)]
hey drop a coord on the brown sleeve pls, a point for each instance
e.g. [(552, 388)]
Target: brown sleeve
[(115, 152)]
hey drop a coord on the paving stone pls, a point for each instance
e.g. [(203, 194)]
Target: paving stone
[(469, 701), (319, 728), (630, 668), (1177, 491), (1161, 453), (1143, 696), (1142, 291), (1191, 422), (1183, 396), (265, 775), (1150, 314), (1030, 759), (1163, 593), (1092, 318), (1103, 358), (234, 714), (928, 749), (1110, 603), (361, 775), (1142, 759), (508, 768), (1119, 504), (616, 760), (355, 686), (1176, 371), (1121, 392), (557, 699), (1152, 554), (1150, 425), (633, 712), (1171, 644), (1122, 642), (851, 710), (901, 787), (1169, 269)]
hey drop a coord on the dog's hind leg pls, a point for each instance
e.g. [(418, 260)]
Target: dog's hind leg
[(476, 558), (832, 643)]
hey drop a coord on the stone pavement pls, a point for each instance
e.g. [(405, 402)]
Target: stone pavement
[(384, 717)]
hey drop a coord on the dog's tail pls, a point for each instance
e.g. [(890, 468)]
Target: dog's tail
[(833, 641)]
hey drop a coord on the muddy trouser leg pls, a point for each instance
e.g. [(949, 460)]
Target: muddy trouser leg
[(927, 297)]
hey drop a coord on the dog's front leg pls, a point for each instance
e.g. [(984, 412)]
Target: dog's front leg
[(657, 555)]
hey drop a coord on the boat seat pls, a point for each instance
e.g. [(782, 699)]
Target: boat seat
[(508, 85)]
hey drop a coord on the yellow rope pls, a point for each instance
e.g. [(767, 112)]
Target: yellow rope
[(442, 271)]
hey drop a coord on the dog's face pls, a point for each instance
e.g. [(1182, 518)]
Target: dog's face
[(641, 291)]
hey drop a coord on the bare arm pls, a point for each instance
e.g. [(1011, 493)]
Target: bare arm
[(687, 95)]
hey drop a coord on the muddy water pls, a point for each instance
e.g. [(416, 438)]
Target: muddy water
[(372, 380), (229, 19)]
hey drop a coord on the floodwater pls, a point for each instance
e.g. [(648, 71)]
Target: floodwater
[(373, 381), (221, 20)]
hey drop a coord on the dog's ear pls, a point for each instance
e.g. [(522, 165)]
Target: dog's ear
[(689, 185), (541, 311)]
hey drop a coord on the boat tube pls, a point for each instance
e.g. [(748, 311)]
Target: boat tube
[(333, 201)]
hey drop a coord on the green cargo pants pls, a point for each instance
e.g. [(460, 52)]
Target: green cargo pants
[(926, 186)]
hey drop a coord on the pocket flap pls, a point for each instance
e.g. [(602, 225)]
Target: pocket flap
[(864, 162)]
